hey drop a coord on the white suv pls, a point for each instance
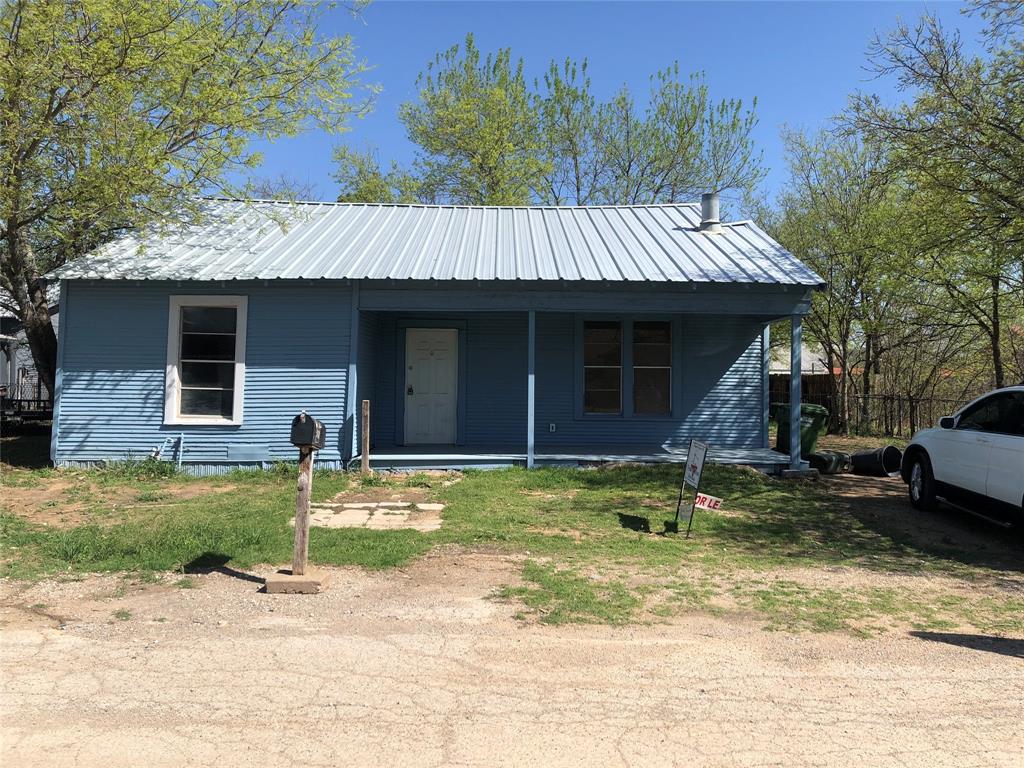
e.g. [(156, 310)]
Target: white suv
[(974, 459)]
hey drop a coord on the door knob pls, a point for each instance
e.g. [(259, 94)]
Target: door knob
[(409, 391)]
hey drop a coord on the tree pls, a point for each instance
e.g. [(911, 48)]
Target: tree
[(959, 141), (114, 113), (476, 124), (281, 187), (841, 213), (487, 137), (362, 181)]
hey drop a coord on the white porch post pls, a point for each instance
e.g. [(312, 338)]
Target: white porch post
[(795, 394), (531, 356)]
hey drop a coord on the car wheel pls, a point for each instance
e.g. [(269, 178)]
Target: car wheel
[(921, 484)]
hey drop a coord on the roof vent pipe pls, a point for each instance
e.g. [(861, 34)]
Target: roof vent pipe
[(709, 220)]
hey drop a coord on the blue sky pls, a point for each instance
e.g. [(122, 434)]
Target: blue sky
[(800, 59)]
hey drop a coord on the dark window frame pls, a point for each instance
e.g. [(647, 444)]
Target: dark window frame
[(627, 411)]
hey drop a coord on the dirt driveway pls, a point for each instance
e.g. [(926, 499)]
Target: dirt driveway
[(422, 667)]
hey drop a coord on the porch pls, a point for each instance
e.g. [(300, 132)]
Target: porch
[(488, 457), (518, 395)]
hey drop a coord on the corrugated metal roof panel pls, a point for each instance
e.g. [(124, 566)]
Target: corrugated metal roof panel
[(265, 240)]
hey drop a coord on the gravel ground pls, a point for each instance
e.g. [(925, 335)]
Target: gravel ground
[(422, 667)]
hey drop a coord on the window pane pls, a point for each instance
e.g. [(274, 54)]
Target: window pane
[(208, 319), (652, 332), (207, 402), (984, 416), (601, 401), (602, 354), (218, 375), (1012, 421), (602, 343), (652, 343), (602, 390), (603, 378), (202, 347), (652, 390)]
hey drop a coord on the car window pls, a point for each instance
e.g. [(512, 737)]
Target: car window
[(1001, 412), (1011, 421)]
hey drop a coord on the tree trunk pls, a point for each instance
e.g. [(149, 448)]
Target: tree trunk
[(865, 410), (996, 336), (34, 311)]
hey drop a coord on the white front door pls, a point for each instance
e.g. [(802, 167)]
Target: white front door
[(431, 376)]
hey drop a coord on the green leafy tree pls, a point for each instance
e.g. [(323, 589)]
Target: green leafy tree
[(114, 113), (477, 126), (959, 141), (678, 144), (363, 181)]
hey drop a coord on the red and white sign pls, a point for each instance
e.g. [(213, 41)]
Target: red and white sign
[(703, 501)]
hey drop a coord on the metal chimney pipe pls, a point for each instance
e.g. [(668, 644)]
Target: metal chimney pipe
[(709, 217)]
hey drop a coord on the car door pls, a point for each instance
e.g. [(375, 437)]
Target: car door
[(960, 456), (1005, 480)]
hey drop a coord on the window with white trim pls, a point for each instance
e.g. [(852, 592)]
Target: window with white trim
[(205, 360)]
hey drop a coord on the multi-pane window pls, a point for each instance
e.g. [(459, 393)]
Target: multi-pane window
[(627, 367), (206, 359), (602, 367), (652, 367)]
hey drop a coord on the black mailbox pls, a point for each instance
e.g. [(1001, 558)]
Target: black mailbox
[(307, 432)]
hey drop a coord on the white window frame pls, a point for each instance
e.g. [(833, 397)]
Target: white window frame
[(172, 384)]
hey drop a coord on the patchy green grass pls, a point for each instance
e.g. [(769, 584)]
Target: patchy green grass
[(560, 596), (245, 525), (122, 614), (597, 543)]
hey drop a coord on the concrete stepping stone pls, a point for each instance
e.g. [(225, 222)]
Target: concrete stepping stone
[(395, 504), (430, 507)]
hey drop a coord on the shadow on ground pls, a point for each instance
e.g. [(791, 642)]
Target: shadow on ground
[(26, 446), (217, 562), (1005, 646)]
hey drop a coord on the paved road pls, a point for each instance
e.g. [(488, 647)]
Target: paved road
[(420, 668)]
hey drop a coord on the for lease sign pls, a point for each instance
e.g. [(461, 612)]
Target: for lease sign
[(704, 501)]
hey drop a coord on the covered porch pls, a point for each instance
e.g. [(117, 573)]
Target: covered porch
[(517, 368), (439, 457)]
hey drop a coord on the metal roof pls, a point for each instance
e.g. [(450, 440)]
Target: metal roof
[(242, 240)]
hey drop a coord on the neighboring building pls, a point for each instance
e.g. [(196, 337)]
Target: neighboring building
[(20, 386), (480, 335)]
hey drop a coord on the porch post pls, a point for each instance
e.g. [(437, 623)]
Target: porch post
[(795, 394), (349, 429), (531, 356)]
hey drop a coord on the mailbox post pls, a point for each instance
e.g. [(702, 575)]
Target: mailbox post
[(308, 436)]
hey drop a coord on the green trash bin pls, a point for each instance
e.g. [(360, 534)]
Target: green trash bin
[(813, 423)]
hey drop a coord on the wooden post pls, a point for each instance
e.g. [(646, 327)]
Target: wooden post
[(365, 428), (300, 557)]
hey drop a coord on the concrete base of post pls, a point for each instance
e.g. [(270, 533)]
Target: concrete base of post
[(284, 582), (801, 473)]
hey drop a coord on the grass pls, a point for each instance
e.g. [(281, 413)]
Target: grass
[(595, 543)]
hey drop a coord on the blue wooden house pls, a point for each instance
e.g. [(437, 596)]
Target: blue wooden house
[(479, 335)]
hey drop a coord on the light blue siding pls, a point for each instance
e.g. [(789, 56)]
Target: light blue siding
[(114, 358), (720, 383), (298, 357)]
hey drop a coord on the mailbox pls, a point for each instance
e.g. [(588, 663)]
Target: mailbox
[(307, 432)]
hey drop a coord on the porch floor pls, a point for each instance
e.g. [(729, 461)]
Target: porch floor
[(460, 457)]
